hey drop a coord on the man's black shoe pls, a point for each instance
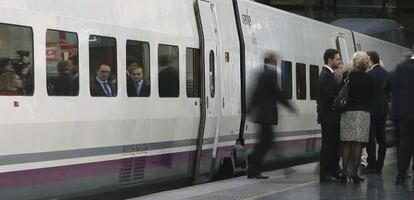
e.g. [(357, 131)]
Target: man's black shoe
[(400, 179), (327, 179)]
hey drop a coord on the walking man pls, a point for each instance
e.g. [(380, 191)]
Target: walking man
[(263, 110)]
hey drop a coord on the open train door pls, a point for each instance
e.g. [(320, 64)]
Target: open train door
[(210, 94), (343, 46)]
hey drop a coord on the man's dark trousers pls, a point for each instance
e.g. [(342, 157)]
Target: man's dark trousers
[(377, 135), (406, 142), (260, 149), (329, 157)]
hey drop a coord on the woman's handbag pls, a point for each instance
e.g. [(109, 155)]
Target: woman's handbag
[(342, 99)]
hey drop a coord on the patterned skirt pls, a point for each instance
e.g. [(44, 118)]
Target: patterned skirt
[(355, 126)]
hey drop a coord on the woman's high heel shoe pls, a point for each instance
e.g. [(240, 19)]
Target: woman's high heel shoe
[(355, 179)]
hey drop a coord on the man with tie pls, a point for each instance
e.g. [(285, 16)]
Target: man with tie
[(329, 118), (100, 86), (137, 86)]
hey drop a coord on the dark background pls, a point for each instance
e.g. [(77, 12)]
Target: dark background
[(401, 11)]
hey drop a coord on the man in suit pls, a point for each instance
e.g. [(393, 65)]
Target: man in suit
[(402, 100), (131, 65), (263, 110), (100, 86), (378, 116), (137, 87), (328, 118), (74, 62)]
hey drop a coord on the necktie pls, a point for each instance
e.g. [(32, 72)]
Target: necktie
[(138, 88), (106, 88)]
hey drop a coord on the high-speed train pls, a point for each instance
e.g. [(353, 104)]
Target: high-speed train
[(191, 124)]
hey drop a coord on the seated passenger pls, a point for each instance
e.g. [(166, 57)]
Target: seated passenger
[(6, 65), (10, 84), (99, 85)]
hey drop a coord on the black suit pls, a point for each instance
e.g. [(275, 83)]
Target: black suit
[(65, 85), (329, 120), (402, 100), (98, 91), (130, 86), (263, 110), (132, 89), (378, 118)]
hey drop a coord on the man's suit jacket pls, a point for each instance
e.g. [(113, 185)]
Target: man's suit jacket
[(263, 105), (63, 85), (97, 90), (381, 91), (132, 91), (145, 90), (328, 90), (403, 91)]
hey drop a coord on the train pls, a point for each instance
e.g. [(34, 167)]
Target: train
[(73, 145)]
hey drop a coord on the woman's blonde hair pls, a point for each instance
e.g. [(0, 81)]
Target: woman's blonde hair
[(5, 80), (360, 61)]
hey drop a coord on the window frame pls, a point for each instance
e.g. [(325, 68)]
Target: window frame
[(212, 73), (93, 68), (313, 84), (78, 53), (286, 78), (301, 85), (177, 69), (196, 73), (33, 61), (147, 72)]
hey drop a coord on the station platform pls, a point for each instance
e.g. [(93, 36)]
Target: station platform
[(294, 183)]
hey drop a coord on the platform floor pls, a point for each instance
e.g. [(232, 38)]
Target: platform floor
[(299, 182)]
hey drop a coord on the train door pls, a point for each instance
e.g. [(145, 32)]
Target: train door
[(340, 43), (210, 109)]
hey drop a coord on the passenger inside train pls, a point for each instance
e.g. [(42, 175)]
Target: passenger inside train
[(10, 84)]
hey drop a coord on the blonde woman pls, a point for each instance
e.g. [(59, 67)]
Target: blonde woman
[(10, 84), (355, 120)]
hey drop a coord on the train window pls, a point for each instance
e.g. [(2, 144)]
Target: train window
[(313, 81), (286, 78), (168, 73), (16, 58), (193, 82), (102, 66), (62, 68), (300, 81), (212, 75), (138, 68)]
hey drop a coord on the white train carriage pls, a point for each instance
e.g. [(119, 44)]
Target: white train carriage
[(74, 144)]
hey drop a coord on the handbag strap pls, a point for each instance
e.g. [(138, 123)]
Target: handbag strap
[(346, 81)]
